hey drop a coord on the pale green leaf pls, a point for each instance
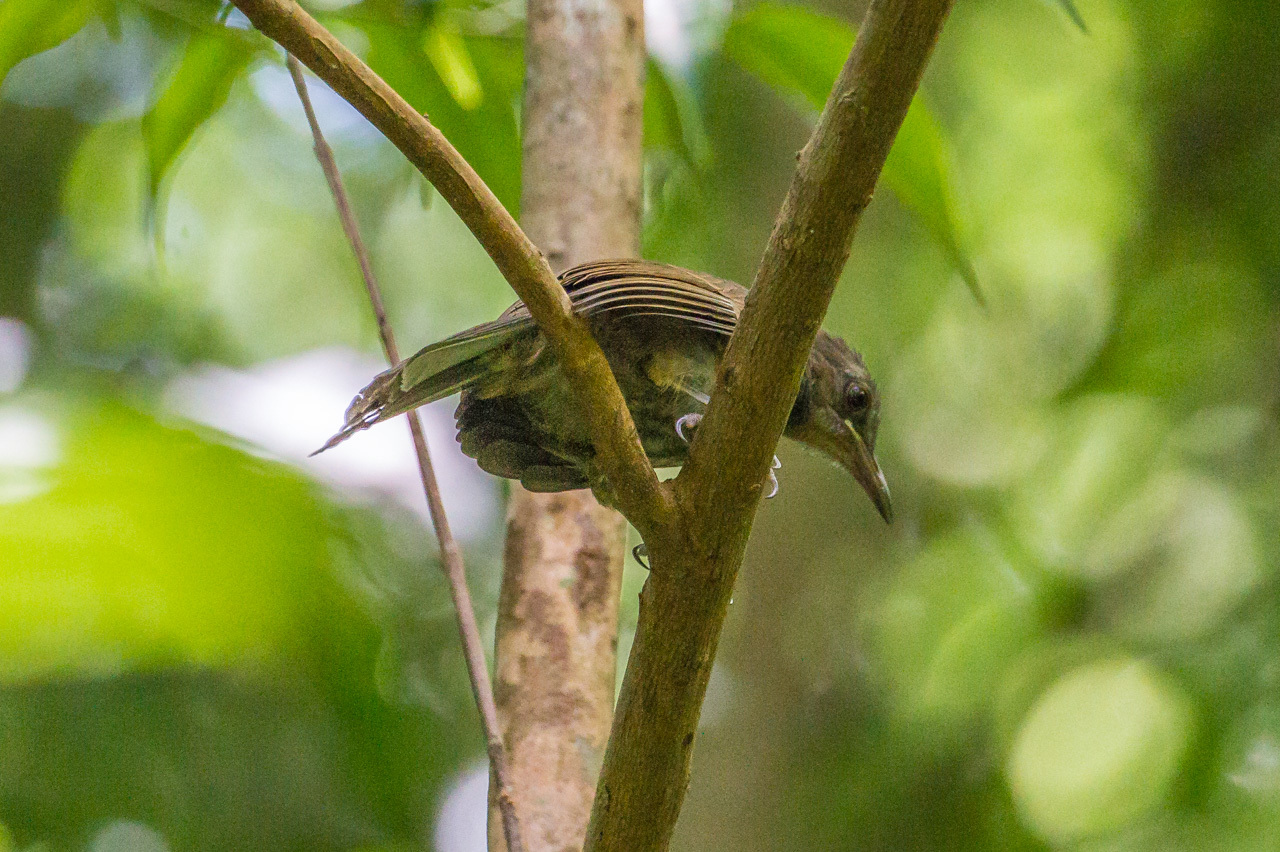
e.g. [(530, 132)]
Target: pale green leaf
[(28, 27), (196, 91)]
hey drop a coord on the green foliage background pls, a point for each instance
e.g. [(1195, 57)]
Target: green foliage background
[(1069, 640)]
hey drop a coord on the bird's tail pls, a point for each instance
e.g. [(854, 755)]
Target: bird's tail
[(433, 373)]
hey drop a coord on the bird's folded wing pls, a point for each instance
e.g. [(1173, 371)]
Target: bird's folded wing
[(618, 288), (642, 288)]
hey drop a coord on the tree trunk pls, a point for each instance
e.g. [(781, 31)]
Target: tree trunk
[(558, 611)]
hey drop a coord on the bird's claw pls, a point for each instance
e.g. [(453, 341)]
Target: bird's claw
[(640, 553), (773, 478), (687, 421)]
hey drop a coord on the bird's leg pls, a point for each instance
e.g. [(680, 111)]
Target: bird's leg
[(689, 422)]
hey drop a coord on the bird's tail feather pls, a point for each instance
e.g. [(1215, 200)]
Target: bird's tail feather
[(433, 373)]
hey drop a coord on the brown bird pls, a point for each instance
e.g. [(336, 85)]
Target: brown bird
[(663, 330)]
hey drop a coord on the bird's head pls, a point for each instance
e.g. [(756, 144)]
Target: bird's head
[(838, 412)]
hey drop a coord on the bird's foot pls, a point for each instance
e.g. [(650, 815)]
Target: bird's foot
[(689, 422), (640, 553)]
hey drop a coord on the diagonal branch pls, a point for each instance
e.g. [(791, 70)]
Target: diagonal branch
[(684, 602), (634, 485), (450, 552)]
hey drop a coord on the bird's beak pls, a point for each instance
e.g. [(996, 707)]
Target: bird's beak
[(861, 462), (843, 443)]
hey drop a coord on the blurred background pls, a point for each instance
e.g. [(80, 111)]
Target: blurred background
[(1070, 638)]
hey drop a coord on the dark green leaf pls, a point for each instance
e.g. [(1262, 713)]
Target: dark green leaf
[(199, 87), (28, 27), (671, 119), (801, 52)]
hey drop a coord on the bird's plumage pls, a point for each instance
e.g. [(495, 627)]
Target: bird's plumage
[(663, 330)]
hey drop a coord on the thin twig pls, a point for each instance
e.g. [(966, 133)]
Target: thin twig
[(450, 553)]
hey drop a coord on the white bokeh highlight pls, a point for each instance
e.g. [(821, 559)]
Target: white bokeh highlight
[(462, 824), (16, 341), (289, 407)]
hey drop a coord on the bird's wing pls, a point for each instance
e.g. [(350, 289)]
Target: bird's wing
[(637, 288), (617, 288), (464, 346)]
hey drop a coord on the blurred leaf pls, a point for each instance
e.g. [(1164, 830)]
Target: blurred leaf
[(448, 53), (916, 171), (671, 119), (197, 89), (100, 507), (486, 135), (196, 14), (793, 49), (790, 48), (1073, 13), (109, 12), (1099, 749), (28, 27)]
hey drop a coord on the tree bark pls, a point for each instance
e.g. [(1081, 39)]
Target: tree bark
[(558, 612)]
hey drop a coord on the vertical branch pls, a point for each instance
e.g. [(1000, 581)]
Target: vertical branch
[(558, 612), (686, 596), (450, 552)]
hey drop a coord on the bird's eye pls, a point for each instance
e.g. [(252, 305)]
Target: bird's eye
[(856, 397)]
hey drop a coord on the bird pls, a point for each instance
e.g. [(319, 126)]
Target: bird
[(663, 330)]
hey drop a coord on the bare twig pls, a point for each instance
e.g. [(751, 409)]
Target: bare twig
[(450, 553), (633, 483), (686, 597)]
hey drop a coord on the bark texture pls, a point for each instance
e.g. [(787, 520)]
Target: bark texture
[(558, 613)]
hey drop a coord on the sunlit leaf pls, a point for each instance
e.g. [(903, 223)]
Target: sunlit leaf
[(28, 27), (671, 119), (448, 53), (799, 51), (196, 91), (486, 135)]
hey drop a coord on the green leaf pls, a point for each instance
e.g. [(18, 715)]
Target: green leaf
[(488, 135), (916, 171), (671, 119), (801, 52), (197, 89), (28, 27), (1073, 13), (448, 54)]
